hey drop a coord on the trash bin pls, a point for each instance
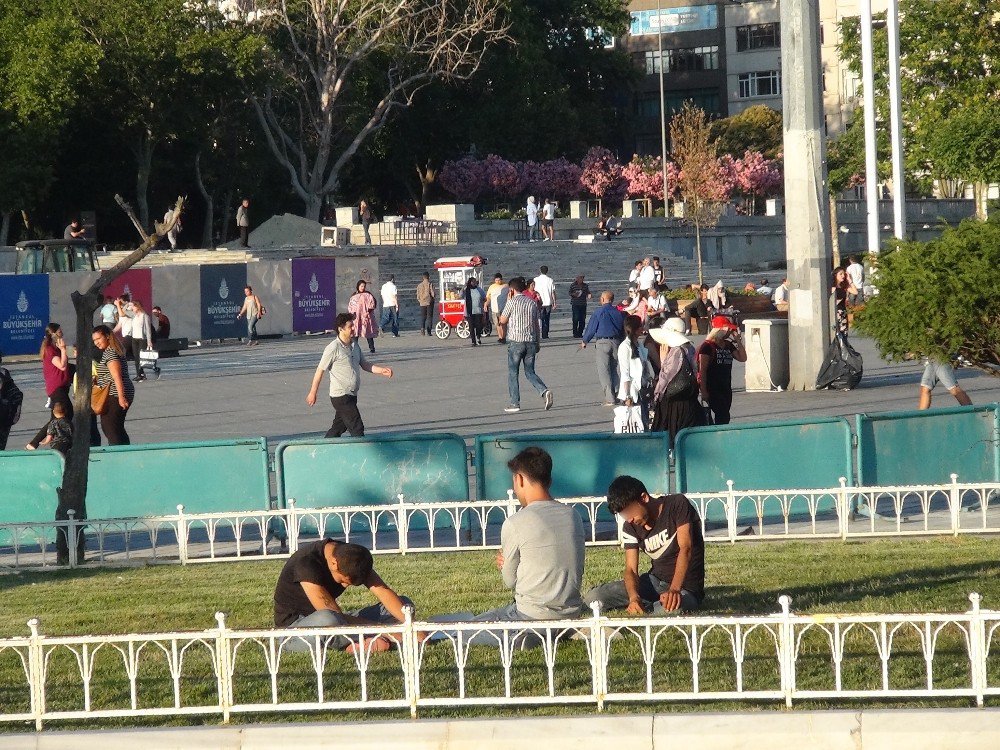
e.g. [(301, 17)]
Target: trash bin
[(767, 354)]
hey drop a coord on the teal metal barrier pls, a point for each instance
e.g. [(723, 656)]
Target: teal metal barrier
[(582, 465), (371, 471), (28, 484), (927, 447), (794, 454), (213, 476)]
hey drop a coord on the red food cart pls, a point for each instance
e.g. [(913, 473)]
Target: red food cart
[(454, 273)]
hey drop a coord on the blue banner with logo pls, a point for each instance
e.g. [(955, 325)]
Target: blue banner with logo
[(24, 312), (673, 20), (314, 294), (221, 299)]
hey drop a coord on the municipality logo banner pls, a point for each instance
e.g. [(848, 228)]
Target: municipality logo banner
[(314, 294), (221, 300), (24, 312)]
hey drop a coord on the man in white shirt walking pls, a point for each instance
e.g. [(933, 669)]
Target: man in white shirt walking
[(390, 307), (548, 220), (546, 289), (856, 274)]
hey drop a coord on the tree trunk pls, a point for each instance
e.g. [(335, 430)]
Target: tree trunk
[(73, 493), (979, 192), (697, 248), (314, 206), (834, 230), (209, 198), (4, 228), (428, 177), (227, 216), (26, 220), (144, 168)]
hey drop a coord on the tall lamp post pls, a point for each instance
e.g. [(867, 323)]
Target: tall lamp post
[(663, 111)]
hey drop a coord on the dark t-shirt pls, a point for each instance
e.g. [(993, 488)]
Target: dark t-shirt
[(720, 364), (660, 543), (578, 293), (308, 565), (61, 432)]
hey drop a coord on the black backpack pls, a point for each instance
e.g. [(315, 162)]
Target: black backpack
[(10, 399)]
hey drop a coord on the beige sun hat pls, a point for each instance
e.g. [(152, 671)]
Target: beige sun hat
[(671, 333)]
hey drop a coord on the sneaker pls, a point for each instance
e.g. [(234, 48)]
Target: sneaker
[(548, 399), (512, 409), (608, 404)]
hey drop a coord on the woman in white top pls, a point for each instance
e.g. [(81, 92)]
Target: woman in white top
[(142, 335), (655, 302), (633, 367), (532, 211)]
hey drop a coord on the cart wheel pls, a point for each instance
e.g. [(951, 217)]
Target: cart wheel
[(442, 330), (463, 330)]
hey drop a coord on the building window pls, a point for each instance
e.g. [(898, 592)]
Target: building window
[(648, 105), (682, 60), (760, 83), (758, 36)]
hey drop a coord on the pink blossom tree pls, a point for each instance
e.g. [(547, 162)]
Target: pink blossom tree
[(602, 175), (644, 178), (465, 179), (756, 176), (557, 178), (501, 177)]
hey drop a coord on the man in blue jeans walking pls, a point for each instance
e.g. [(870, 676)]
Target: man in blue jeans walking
[(522, 323)]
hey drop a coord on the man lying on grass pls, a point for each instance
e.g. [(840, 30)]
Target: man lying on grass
[(313, 578), (668, 529), (541, 550)]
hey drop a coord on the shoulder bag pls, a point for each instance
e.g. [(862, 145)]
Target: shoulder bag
[(684, 384)]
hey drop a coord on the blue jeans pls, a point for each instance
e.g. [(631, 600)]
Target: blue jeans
[(518, 352), (327, 618), (614, 596), (509, 613), (252, 328), (533, 231), (390, 320)]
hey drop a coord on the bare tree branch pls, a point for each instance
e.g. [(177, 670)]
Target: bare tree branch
[(329, 102)]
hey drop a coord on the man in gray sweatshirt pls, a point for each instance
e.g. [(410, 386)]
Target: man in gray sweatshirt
[(541, 549)]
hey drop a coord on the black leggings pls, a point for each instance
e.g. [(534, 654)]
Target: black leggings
[(476, 328), (720, 402), (113, 423)]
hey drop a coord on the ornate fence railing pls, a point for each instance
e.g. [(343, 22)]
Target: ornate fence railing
[(596, 660), (402, 527)]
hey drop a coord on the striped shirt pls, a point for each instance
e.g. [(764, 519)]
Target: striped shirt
[(523, 321), (104, 375)]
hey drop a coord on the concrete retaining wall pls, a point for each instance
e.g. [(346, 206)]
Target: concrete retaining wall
[(919, 729)]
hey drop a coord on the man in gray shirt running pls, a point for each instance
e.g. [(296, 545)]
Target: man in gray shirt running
[(541, 549), (343, 359)]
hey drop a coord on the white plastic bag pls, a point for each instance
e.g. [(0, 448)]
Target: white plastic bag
[(628, 420)]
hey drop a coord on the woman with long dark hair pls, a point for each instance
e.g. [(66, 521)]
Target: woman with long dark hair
[(58, 375), (362, 305), (633, 367), (111, 371), (842, 287)]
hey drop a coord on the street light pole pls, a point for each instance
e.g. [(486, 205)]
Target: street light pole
[(663, 113), (896, 123), (868, 102)]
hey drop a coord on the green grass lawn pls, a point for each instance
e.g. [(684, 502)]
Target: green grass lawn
[(932, 575)]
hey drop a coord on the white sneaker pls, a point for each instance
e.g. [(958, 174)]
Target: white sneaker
[(548, 399), (512, 409)]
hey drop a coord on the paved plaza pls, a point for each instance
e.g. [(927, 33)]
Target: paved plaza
[(229, 391)]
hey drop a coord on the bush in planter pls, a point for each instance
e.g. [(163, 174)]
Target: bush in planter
[(501, 213)]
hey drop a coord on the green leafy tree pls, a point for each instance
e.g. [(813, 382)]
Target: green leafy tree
[(967, 145), (756, 128), (43, 58), (939, 298)]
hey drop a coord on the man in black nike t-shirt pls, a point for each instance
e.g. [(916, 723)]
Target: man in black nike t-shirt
[(666, 528)]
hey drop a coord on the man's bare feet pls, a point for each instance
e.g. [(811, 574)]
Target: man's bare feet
[(371, 645)]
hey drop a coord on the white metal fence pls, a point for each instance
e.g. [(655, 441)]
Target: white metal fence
[(842, 512), (783, 657)]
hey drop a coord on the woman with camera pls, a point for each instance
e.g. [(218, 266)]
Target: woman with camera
[(715, 366)]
